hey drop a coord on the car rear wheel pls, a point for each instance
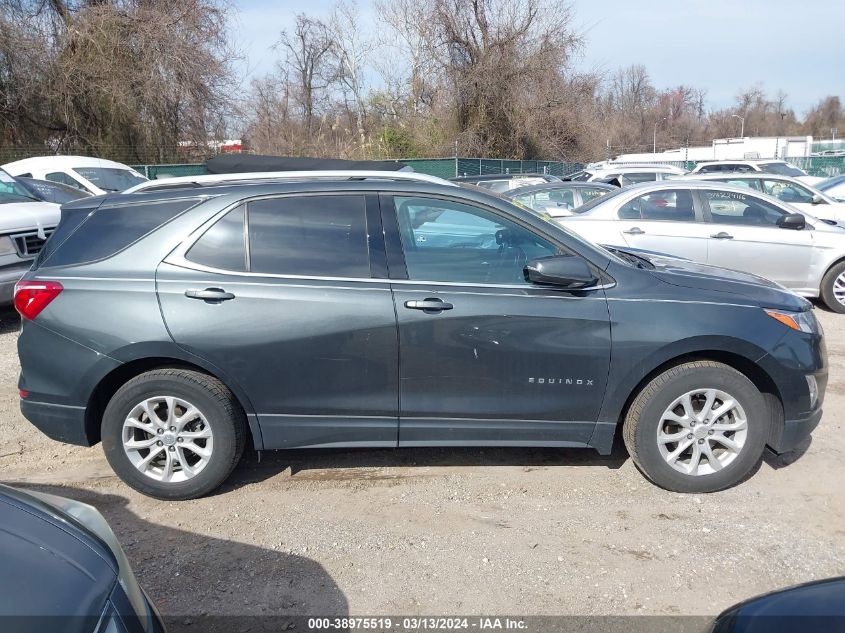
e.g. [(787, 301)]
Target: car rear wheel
[(173, 433), (833, 288), (697, 427)]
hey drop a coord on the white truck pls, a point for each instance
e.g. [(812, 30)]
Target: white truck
[(25, 225)]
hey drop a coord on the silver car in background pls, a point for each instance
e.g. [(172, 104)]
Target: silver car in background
[(723, 225), (798, 194)]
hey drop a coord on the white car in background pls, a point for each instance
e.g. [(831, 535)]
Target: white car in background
[(798, 194), (631, 172), (94, 175), (833, 187), (767, 166), (25, 224), (723, 225)]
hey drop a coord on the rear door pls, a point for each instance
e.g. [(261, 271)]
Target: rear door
[(487, 358), (744, 235), (665, 221), (287, 296)]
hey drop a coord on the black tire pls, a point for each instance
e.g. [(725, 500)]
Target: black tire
[(216, 403), (644, 416), (826, 289)]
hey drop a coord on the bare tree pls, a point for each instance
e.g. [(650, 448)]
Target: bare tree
[(308, 53)]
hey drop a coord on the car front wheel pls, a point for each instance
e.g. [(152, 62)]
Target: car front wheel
[(173, 433), (697, 427)]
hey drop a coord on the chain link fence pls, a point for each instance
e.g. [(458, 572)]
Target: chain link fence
[(441, 167)]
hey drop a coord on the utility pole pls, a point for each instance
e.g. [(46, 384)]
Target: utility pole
[(742, 125), (656, 123)]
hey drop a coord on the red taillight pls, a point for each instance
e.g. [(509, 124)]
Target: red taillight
[(23, 393), (31, 297)]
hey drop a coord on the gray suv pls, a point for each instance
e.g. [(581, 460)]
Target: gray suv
[(177, 326)]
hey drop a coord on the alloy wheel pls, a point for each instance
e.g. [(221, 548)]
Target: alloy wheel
[(702, 431), (167, 439)]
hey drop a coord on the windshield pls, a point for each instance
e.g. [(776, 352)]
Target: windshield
[(781, 169), (597, 201), (579, 176), (11, 191), (54, 192), (110, 178), (830, 183)]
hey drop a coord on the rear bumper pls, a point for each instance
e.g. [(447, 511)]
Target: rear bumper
[(9, 276), (59, 422)]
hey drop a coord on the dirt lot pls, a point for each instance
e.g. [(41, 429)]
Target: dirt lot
[(447, 531)]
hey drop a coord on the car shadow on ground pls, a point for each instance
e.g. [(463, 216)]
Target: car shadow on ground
[(362, 463), (202, 583)]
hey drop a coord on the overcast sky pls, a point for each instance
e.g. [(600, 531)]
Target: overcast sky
[(719, 45)]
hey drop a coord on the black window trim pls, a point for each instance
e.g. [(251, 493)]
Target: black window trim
[(374, 243)]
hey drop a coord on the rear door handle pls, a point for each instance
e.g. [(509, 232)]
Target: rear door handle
[(722, 236), (635, 230), (429, 305), (210, 294)]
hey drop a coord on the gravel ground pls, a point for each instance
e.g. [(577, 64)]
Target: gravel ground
[(458, 531)]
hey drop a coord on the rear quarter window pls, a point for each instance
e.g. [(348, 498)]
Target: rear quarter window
[(107, 231)]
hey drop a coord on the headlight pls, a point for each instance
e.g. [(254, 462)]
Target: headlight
[(7, 247), (801, 321)]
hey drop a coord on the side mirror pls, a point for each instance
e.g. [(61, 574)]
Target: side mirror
[(794, 221), (817, 199), (565, 271)]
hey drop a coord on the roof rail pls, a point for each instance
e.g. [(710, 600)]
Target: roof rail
[(270, 176)]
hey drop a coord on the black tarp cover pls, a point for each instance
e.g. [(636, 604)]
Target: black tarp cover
[(250, 163)]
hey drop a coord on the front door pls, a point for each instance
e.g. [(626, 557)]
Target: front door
[(744, 235), (485, 357), (282, 295), (665, 221)]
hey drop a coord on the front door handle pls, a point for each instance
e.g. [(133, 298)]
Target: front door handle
[(634, 230), (429, 305), (722, 236), (212, 295)]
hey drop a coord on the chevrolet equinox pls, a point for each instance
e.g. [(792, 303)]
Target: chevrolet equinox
[(178, 325)]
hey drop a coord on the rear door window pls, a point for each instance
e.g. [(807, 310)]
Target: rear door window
[(675, 205), (313, 236)]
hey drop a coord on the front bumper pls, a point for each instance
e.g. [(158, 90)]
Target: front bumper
[(794, 432), (9, 276)]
